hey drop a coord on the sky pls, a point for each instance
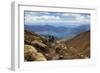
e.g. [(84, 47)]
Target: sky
[(36, 17)]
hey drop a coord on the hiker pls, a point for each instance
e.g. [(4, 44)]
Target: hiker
[(51, 38)]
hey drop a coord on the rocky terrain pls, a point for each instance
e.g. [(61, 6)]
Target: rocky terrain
[(39, 48)]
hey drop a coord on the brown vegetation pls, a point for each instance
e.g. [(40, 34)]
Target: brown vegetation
[(38, 48)]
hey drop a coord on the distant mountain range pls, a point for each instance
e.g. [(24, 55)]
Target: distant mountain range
[(57, 31)]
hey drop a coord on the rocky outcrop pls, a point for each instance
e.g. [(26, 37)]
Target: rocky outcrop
[(38, 48), (31, 54)]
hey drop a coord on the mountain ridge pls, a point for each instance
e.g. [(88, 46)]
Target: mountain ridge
[(59, 32)]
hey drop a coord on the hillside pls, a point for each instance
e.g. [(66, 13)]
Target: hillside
[(80, 44), (39, 48)]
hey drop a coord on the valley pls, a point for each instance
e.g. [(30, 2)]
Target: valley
[(39, 48)]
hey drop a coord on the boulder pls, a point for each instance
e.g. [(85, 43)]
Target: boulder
[(31, 54)]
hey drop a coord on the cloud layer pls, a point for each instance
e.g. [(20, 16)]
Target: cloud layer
[(32, 18)]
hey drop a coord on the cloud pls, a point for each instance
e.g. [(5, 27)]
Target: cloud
[(78, 18), (38, 19), (82, 19), (51, 17)]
